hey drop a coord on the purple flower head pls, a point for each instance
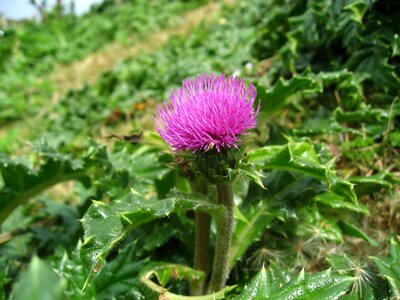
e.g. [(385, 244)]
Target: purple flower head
[(208, 111)]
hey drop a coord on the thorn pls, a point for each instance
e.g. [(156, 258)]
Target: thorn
[(302, 274)]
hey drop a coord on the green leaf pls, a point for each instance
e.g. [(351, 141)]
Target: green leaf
[(373, 183), (279, 274), (322, 285), (263, 206), (22, 182), (366, 115), (348, 86), (367, 284), (301, 157), (260, 287), (38, 283), (389, 267), (340, 262), (106, 225), (358, 9), (168, 271), (249, 171), (318, 225), (141, 160), (373, 60), (335, 201), (277, 96), (3, 281), (120, 277), (165, 272), (352, 230), (74, 273)]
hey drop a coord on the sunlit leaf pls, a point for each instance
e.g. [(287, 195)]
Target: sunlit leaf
[(323, 285), (335, 201), (106, 225), (389, 267), (39, 282), (260, 287)]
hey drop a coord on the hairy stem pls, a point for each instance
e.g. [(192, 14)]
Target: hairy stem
[(220, 270), (201, 260)]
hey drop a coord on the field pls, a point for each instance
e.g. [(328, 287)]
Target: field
[(101, 199)]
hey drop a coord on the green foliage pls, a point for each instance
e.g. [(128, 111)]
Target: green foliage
[(121, 276), (105, 225), (262, 207), (381, 282), (352, 230), (276, 97), (301, 157), (20, 182), (39, 282), (260, 287), (389, 267), (323, 285)]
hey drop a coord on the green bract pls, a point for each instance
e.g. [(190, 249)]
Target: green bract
[(214, 166)]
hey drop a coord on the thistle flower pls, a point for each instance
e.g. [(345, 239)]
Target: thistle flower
[(210, 111)]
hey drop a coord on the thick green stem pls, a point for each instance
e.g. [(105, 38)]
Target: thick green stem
[(201, 260), (220, 270)]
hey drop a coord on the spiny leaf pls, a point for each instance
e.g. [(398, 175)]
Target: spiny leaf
[(335, 201), (105, 225), (352, 230), (120, 277), (374, 183), (367, 114), (260, 287), (74, 273), (301, 157), (374, 61), (22, 182), (262, 206), (389, 267), (277, 96), (366, 285), (40, 282), (322, 285)]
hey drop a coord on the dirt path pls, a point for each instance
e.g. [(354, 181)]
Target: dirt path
[(89, 69)]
